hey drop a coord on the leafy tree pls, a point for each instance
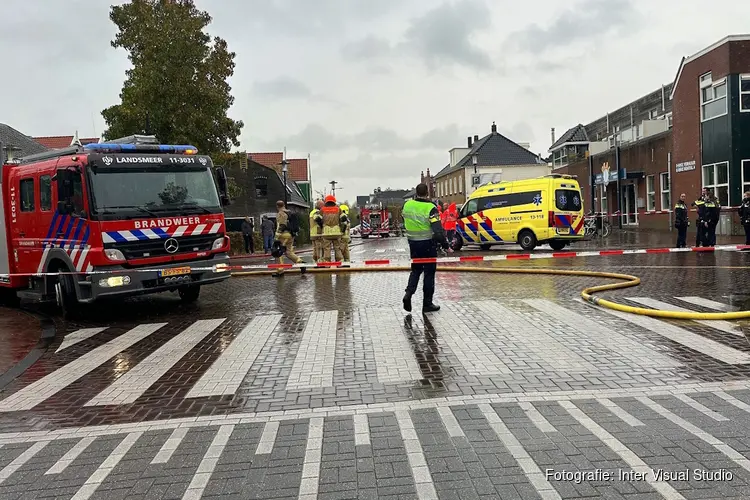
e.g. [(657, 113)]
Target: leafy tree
[(177, 88)]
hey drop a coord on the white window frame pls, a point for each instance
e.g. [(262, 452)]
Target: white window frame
[(746, 78), (650, 193), (712, 185), (706, 82), (745, 182), (665, 193)]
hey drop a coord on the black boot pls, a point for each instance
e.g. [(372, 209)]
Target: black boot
[(427, 308), (407, 302)]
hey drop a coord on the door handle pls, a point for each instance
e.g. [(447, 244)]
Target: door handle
[(22, 235)]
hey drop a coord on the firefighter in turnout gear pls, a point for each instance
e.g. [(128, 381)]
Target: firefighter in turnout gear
[(681, 221), (316, 232), (744, 212), (345, 228), (329, 220), (424, 232)]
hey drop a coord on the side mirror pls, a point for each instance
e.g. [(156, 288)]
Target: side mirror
[(225, 200), (223, 184)]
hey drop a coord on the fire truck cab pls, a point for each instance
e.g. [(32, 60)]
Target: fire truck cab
[(123, 218), (374, 220)]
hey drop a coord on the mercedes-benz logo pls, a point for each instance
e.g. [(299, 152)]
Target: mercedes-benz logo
[(171, 245)]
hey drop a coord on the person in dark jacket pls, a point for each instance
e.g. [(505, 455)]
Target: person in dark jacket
[(267, 231), (744, 212), (714, 212), (701, 218), (248, 228), (681, 221)]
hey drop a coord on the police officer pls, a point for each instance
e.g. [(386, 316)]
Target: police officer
[(329, 220), (713, 208), (681, 221), (345, 236), (316, 232), (701, 218), (744, 212), (423, 230)]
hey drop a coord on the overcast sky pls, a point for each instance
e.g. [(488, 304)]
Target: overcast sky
[(374, 90)]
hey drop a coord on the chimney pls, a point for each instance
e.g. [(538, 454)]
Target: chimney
[(494, 128), (553, 135), (476, 139), (468, 141), (428, 173)]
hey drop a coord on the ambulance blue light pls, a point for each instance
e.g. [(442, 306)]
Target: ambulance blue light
[(140, 148)]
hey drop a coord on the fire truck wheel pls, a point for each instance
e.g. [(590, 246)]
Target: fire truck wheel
[(66, 296), (189, 293)]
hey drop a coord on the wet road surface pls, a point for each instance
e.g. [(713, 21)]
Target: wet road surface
[(319, 386)]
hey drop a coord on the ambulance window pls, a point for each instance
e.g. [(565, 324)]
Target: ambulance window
[(45, 193), (470, 208), (568, 200), (27, 195)]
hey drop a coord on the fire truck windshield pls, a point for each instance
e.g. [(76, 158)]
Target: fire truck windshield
[(131, 193)]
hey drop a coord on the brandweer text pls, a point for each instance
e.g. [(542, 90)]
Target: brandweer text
[(174, 221)]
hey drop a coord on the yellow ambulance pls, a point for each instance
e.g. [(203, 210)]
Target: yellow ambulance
[(530, 212)]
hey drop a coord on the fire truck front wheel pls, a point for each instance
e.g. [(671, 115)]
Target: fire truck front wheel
[(189, 293), (65, 293)]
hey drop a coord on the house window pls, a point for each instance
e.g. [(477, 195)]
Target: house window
[(745, 93), (45, 193), (650, 194), (745, 175), (261, 187), (665, 197), (716, 179), (27, 195), (713, 97), (560, 158), (653, 114), (669, 119)]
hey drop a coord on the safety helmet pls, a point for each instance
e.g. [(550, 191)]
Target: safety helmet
[(330, 199), (344, 209)]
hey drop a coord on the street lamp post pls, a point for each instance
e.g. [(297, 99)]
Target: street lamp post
[(284, 164), (474, 181)]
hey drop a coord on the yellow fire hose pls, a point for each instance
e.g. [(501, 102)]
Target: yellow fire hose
[(587, 293)]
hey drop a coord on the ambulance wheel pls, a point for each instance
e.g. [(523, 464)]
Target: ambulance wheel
[(527, 240), (485, 248), (189, 293), (557, 245)]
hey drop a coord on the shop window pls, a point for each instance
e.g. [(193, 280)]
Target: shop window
[(650, 194)]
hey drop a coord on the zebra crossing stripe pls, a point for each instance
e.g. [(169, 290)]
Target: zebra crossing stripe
[(724, 326), (229, 370), (623, 346), (313, 365), (24, 457), (208, 464), (105, 469), (520, 333), (394, 359), (137, 380), (36, 392), (696, 342), (709, 304), (170, 445), (70, 456), (78, 336)]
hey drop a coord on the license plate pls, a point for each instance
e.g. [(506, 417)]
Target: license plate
[(175, 271), (563, 230)]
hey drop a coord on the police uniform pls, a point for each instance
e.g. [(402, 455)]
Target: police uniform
[(316, 233), (681, 223), (329, 220), (744, 212), (700, 226), (345, 224), (713, 209), (423, 231)]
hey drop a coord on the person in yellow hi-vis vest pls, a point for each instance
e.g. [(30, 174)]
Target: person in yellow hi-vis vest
[(316, 232), (329, 220), (345, 228)]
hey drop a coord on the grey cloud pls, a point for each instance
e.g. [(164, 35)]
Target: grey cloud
[(316, 138), (370, 47), (443, 35), (282, 87), (585, 21)]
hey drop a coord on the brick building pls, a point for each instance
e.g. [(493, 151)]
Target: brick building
[(637, 160), (298, 169), (493, 158)]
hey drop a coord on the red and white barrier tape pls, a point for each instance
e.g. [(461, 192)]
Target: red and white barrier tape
[(401, 262)]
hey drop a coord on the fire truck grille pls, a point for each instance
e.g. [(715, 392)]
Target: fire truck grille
[(155, 248)]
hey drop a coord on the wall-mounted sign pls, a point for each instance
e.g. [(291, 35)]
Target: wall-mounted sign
[(685, 166), (605, 173)]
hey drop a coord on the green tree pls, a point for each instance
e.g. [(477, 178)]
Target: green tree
[(177, 88)]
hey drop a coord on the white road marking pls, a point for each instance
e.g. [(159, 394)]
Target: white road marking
[(50, 384), (536, 418), (21, 459), (417, 461), (308, 488), (620, 413), (701, 408), (70, 456), (170, 445), (450, 422), (361, 430), (313, 365), (78, 336), (394, 358), (105, 469), (724, 326), (229, 370), (709, 304), (208, 464), (268, 438), (138, 379)]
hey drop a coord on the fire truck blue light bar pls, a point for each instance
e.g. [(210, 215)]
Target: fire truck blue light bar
[(140, 148)]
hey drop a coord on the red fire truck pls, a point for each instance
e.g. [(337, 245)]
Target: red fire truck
[(374, 221), (123, 218)]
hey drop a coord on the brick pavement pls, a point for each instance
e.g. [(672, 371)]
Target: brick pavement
[(19, 334), (320, 387)]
